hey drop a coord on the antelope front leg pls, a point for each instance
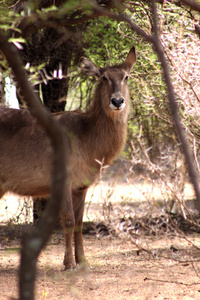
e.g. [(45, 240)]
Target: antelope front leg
[(68, 223), (79, 201), (69, 262)]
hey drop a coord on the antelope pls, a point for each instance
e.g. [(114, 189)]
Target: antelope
[(96, 135)]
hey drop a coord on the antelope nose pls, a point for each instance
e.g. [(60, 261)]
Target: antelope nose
[(117, 103)]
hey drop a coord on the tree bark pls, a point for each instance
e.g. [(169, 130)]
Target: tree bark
[(33, 243)]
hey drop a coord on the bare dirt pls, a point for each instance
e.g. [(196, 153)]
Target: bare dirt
[(144, 258), (165, 267)]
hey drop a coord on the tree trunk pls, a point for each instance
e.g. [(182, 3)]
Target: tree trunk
[(58, 56)]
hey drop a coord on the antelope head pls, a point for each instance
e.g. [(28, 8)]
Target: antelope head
[(113, 88)]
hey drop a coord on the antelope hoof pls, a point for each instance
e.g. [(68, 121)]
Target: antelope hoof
[(69, 267), (69, 264)]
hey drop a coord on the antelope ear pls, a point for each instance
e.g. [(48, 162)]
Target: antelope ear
[(88, 67), (130, 60)]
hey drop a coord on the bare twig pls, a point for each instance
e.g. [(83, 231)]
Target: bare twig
[(172, 281), (189, 83), (174, 106)]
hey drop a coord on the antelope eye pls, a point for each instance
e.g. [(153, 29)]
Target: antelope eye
[(126, 77), (104, 78)]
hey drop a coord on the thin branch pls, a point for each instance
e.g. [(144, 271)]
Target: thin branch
[(192, 4), (33, 243), (122, 17), (172, 281), (174, 106), (27, 27)]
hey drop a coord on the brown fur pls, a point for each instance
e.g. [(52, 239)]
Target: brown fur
[(98, 134)]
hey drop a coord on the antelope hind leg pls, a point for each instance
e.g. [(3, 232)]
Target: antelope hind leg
[(78, 202), (68, 223)]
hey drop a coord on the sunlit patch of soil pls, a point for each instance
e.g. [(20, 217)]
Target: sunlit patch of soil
[(170, 270), (140, 264)]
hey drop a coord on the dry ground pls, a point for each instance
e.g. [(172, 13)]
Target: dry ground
[(167, 266), (118, 269)]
